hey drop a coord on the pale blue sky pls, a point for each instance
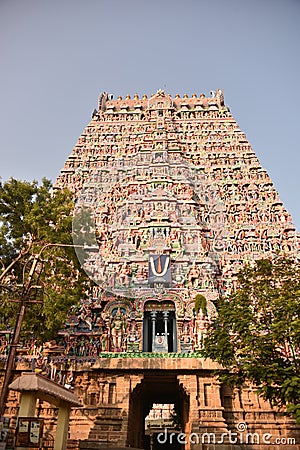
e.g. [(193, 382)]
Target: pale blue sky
[(57, 56)]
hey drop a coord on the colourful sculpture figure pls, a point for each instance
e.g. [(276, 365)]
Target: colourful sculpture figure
[(117, 331), (200, 329), (193, 276)]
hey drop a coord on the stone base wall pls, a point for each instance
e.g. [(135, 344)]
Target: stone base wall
[(117, 394)]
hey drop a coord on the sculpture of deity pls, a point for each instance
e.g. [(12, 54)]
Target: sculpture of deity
[(117, 331), (200, 328), (193, 276)]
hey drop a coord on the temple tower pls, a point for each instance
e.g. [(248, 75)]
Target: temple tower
[(171, 201)]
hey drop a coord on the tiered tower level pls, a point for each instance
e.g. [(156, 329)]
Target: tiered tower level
[(177, 202)]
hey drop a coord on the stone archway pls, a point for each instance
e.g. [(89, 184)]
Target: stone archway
[(155, 388)]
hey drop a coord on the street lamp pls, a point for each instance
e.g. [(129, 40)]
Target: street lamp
[(17, 330)]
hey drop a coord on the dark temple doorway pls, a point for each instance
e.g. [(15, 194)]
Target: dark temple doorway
[(157, 389)]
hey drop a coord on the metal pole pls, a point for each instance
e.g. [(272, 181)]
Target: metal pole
[(16, 337)]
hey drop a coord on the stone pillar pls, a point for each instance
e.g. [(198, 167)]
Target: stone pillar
[(211, 418), (131, 417), (174, 330), (61, 435), (28, 404), (165, 315), (144, 347), (153, 318)]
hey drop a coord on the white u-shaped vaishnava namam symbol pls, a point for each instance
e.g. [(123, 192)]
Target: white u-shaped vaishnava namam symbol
[(165, 269)]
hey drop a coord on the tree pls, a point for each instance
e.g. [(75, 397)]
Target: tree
[(256, 335), (35, 219)]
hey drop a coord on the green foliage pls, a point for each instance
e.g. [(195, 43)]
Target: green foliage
[(256, 335), (34, 219), (200, 303)]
